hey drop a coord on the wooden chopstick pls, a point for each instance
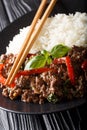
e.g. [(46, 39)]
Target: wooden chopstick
[(37, 16), (29, 44)]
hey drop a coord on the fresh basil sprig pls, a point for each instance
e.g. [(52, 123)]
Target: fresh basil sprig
[(46, 57), (59, 51), (39, 61)]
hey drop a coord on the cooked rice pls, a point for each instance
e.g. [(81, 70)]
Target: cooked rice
[(67, 29)]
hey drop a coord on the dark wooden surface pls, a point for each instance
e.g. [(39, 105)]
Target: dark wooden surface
[(10, 10), (75, 119)]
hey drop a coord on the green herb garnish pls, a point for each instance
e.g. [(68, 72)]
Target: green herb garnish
[(39, 60), (46, 57), (59, 51)]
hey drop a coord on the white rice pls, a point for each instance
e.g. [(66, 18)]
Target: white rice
[(67, 29)]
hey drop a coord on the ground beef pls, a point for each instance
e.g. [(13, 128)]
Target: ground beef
[(78, 55), (39, 88), (8, 61)]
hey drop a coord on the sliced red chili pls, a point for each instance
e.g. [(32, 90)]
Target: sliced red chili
[(12, 85), (25, 73), (33, 71), (1, 66), (70, 70), (3, 80), (84, 65), (66, 60)]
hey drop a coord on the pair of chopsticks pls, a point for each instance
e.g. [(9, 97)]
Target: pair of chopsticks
[(30, 38)]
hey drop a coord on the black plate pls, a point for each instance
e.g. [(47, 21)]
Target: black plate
[(28, 108)]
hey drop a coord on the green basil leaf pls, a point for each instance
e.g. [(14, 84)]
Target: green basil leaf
[(46, 57), (36, 62), (45, 53), (59, 51), (49, 60)]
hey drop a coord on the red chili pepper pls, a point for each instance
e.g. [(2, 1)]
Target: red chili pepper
[(70, 70), (12, 85), (24, 73), (3, 80), (84, 65), (1, 66), (33, 71), (66, 60)]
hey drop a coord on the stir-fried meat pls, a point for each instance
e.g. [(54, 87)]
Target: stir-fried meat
[(53, 85)]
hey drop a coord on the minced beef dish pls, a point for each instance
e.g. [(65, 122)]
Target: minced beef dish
[(63, 78)]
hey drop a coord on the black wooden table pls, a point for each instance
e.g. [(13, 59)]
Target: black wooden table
[(74, 119)]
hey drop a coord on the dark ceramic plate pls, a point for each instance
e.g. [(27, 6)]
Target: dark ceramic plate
[(17, 106)]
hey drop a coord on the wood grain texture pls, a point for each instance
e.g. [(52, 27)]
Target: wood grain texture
[(4, 21), (10, 10), (17, 8)]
